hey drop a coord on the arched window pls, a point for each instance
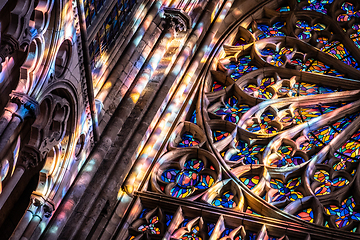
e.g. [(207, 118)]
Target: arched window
[(270, 146)]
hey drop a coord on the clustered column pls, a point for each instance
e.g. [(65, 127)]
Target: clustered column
[(37, 211)]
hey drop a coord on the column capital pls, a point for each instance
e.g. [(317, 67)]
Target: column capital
[(177, 19), (40, 207), (27, 106)]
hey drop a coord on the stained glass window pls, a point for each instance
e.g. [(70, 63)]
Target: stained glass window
[(279, 112), (101, 44)]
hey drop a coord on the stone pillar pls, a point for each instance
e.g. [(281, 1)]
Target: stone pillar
[(19, 107), (38, 210), (29, 157)]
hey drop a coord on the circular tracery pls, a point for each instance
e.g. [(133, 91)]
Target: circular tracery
[(280, 116)]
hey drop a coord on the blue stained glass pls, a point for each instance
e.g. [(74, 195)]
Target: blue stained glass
[(188, 140), (272, 31), (251, 235), (317, 5), (344, 213), (232, 110), (211, 227), (193, 117), (226, 200), (226, 232), (168, 218), (194, 164)]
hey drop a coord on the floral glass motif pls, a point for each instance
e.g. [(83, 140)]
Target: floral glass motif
[(350, 13), (188, 140), (307, 28), (271, 31), (345, 213), (317, 5), (285, 191), (306, 215), (288, 157), (151, 228), (232, 110), (188, 180), (338, 51), (240, 68), (277, 58), (226, 200), (323, 177), (264, 125), (261, 91), (247, 154), (351, 148), (341, 165)]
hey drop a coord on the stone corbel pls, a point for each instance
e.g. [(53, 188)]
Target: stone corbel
[(177, 19)]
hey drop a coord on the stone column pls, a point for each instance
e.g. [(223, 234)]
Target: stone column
[(29, 157), (38, 210), (19, 107)]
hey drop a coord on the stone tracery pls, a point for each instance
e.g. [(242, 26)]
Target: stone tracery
[(278, 123)]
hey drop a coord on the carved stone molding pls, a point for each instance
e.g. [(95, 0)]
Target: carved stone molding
[(29, 157), (50, 126), (177, 19), (16, 35)]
